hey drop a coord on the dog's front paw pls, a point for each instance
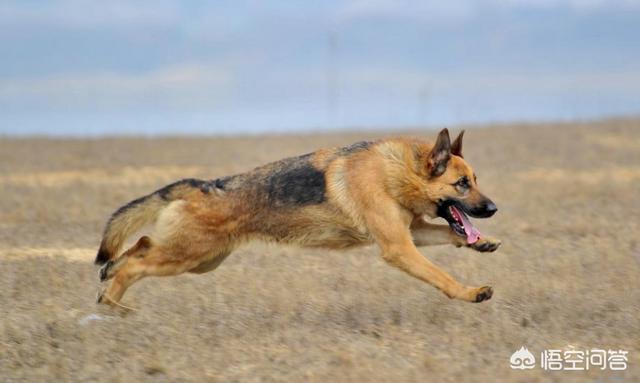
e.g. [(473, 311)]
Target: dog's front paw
[(486, 244), (484, 294)]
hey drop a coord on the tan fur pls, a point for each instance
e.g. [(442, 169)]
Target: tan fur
[(125, 225), (377, 192)]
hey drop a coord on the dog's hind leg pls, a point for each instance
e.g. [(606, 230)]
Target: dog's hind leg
[(109, 269), (155, 260)]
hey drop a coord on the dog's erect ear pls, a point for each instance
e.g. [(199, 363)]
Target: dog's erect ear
[(456, 146), (440, 154)]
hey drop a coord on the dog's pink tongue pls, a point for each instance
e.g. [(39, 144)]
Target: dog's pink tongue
[(473, 234)]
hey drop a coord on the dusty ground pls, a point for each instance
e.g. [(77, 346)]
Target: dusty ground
[(568, 273)]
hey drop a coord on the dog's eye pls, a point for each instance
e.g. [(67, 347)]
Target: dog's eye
[(463, 183)]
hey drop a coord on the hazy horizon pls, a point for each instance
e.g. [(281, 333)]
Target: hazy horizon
[(320, 131)]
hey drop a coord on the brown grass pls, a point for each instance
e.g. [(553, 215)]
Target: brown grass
[(568, 273)]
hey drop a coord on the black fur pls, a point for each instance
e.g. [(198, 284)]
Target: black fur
[(296, 183), (129, 205), (354, 148), (220, 183), (193, 182), (103, 256)]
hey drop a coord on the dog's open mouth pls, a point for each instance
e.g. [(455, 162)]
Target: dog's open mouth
[(459, 222)]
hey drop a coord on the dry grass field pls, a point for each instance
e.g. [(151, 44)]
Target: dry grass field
[(567, 275)]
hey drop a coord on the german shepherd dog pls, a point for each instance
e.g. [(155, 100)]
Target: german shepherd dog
[(370, 192)]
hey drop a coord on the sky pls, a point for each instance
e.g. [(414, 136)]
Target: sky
[(86, 68)]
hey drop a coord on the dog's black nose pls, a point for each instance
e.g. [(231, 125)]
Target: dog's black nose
[(490, 209), (485, 209)]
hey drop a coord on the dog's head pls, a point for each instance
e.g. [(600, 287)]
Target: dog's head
[(452, 187)]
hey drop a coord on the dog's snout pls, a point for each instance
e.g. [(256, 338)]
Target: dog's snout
[(490, 208), (485, 209)]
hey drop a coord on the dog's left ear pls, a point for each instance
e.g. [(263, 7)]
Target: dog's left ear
[(440, 154), (456, 146)]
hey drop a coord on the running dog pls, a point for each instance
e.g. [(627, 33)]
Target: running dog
[(378, 192)]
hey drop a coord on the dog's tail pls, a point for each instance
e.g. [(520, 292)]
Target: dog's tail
[(136, 214)]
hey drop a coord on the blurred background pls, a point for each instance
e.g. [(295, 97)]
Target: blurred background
[(74, 67)]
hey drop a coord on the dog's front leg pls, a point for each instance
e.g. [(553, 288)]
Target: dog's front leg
[(390, 227), (428, 234)]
